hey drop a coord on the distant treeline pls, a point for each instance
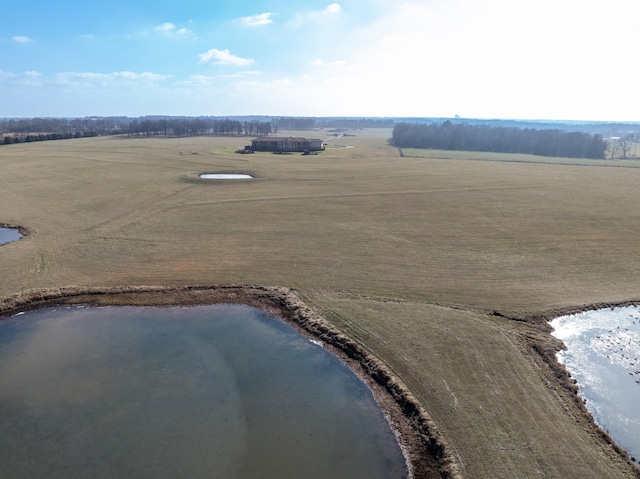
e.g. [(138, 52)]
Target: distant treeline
[(29, 137), (227, 126), (39, 129), (25, 130), (198, 127), (288, 123), (460, 136), (293, 123)]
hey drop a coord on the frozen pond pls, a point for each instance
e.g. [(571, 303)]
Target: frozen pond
[(225, 176), (219, 391), (9, 234), (603, 355)]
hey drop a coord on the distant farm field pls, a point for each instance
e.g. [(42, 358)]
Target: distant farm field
[(420, 258)]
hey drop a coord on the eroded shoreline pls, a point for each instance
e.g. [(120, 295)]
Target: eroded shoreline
[(427, 453)]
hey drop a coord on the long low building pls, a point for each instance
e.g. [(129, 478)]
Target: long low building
[(286, 143)]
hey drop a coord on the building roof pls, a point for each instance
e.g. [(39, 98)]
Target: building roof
[(280, 138)]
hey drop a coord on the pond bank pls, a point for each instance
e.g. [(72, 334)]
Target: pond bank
[(427, 453)]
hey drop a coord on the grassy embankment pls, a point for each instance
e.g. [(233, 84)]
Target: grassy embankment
[(411, 257)]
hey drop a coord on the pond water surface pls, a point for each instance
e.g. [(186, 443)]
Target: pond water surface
[(220, 391), (9, 234), (225, 176), (603, 355)]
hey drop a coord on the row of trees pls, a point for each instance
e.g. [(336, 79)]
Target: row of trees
[(30, 137), (300, 123), (42, 129), (622, 146), (64, 126), (198, 127), (293, 123), (460, 136), (180, 126), (354, 123)]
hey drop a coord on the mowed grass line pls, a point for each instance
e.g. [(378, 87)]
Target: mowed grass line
[(407, 255)]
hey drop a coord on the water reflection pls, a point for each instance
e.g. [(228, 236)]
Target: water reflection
[(603, 355), (9, 234), (215, 391), (225, 176)]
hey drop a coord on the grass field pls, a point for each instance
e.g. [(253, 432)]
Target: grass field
[(420, 259)]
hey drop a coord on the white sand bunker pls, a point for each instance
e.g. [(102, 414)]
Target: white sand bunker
[(225, 176)]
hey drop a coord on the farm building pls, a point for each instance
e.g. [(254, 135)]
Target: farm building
[(285, 144)]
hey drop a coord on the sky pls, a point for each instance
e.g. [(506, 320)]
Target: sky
[(516, 59)]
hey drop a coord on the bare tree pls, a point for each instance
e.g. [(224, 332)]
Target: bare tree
[(613, 147), (620, 146), (625, 144)]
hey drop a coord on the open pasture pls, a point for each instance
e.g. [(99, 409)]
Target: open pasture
[(420, 259)]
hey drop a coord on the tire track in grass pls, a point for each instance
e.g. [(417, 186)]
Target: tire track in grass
[(352, 195)]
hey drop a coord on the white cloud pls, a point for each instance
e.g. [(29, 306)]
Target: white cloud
[(170, 30), (165, 28), (333, 8), (257, 20), (223, 57), (305, 18), (21, 39), (25, 78)]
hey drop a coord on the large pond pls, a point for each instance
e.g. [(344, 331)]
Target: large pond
[(220, 391), (9, 234), (603, 355)]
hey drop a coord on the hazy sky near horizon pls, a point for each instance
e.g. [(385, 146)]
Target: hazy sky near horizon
[(543, 59)]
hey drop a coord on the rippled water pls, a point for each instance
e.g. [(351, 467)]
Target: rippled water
[(214, 391), (9, 234), (603, 355)]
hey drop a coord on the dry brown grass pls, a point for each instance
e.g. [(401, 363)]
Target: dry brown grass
[(409, 256)]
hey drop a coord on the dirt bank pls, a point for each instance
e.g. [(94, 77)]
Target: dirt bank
[(24, 231), (427, 452)]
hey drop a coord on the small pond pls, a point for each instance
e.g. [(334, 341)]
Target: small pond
[(225, 176), (219, 391), (603, 355), (9, 234)]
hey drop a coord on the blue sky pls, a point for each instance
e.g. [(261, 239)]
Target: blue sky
[(548, 59)]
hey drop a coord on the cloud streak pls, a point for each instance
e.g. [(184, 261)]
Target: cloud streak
[(256, 20), (224, 57), (305, 18), (25, 78), (114, 79), (21, 39), (170, 30)]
